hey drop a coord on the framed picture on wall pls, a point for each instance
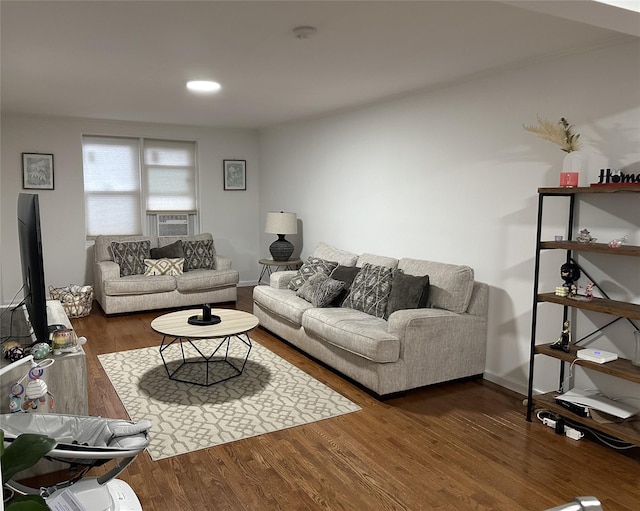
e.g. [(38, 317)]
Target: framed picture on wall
[(235, 174), (37, 171)]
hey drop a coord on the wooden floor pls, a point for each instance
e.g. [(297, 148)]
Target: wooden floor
[(453, 446)]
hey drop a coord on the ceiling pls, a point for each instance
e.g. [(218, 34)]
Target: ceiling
[(129, 60)]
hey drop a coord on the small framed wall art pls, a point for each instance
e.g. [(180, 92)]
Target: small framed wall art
[(235, 174), (37, 171)]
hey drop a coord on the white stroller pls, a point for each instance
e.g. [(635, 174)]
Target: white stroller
[(85, 442)]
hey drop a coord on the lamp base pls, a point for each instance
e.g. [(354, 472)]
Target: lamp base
[(281, 249)]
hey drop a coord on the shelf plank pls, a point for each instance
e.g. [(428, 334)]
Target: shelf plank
[(613, 307), (620, 368), (629, 430), (601, 248), (634, 188)]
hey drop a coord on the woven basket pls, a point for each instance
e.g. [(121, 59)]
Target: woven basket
[(76, 300)]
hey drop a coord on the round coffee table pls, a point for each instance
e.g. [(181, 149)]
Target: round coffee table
[(176, 330)]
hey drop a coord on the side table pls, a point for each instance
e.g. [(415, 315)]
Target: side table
[(291, 264)]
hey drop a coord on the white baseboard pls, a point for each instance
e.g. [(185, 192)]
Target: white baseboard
[(515, 386)]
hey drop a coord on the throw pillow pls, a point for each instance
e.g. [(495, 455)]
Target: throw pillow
[(407, 292), (311, 266), (164, 266), (172, 251), (345, 274), (130, 256), (370, 290), (199, 254), (320, 289)]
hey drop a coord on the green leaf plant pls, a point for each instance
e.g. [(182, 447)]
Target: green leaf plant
[(24, 452)]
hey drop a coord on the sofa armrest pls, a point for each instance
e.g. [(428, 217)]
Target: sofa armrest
[(281, 279), (106, 270), (223, 262)]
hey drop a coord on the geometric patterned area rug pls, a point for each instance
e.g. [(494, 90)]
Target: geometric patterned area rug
[(269, 395)]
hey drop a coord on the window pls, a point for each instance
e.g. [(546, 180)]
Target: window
[(130, 180)]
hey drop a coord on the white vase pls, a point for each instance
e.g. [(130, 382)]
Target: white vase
[(574, 164)]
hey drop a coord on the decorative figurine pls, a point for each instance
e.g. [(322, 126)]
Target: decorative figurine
[(564, 340), (618, 241), (586, 297), (585, 237), (570, 273)]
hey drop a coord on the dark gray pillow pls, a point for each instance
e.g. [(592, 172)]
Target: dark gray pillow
[(172, 251), (130, 256), (370, 290), (407, 292), (199, 255), (320, 289), (345, 274), (311, 266)]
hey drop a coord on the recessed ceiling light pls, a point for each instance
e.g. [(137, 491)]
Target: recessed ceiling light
[(203, 86)]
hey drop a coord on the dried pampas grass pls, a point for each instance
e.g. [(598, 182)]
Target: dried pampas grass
[(559, 133)]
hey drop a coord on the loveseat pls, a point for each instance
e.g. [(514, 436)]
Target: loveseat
[(137, 273), (430, 328)]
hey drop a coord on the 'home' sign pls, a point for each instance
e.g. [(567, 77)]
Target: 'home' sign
[(618, 178)]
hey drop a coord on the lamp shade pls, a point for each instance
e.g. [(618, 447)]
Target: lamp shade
[(280, 222)]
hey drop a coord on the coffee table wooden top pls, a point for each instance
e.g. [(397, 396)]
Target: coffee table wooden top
[(232, 322)]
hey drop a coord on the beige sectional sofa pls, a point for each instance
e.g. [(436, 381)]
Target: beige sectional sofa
[(442, 341), (215, 282)]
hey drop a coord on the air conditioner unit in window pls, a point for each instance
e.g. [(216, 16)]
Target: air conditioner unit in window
[(173, 224)]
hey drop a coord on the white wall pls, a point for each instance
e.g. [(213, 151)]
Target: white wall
[(450, 175), (230, 215)]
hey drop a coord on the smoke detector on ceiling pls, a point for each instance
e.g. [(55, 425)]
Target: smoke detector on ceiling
[(304, 32)]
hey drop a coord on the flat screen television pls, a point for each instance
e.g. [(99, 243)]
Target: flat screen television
[(30, 241)]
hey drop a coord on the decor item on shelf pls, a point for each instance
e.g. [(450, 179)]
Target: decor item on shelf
[(615, 243), (617, 178), (564, 340), (64, 340), (561, 133), (281, 223), (586, 297), (585, 237), (636, 355), (570, 273), (562, 291)]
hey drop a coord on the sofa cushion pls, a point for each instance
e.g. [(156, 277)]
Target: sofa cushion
[(450, 285), (139, 285), (310, 267), (282, 302), (174, 250), (199, 255), (164, 266), (407, 292), (320, 289), (354, 331), (130, 256), (370, 290), (202, 280), (377, 260), (345, 274), (329, 253)]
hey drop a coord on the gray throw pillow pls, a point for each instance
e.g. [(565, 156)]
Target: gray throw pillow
[(407, 292), (172, 251), (370, 290), (345, 274), (130, 256), (199, 255), (311, 266), (320, 289)]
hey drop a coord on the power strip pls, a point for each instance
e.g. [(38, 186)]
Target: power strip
[(570, 432)]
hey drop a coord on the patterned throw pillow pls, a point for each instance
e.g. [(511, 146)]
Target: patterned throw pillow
[(312, 266), (370, 290), (320, 289), (164, 266), (130, 256), (199, 255)]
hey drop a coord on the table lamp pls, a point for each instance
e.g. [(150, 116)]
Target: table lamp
[(281, 223)]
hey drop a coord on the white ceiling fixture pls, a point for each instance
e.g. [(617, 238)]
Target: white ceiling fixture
[(304, 32), (203, 86)]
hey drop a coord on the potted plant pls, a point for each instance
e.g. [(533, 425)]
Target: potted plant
[(22, 453)]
